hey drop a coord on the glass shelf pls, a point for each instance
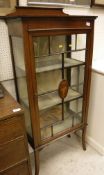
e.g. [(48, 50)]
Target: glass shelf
[(53, 63), (52, 99), (49, 64)]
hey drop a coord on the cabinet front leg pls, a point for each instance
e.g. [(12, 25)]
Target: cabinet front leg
[(37, 162), (84, 138)]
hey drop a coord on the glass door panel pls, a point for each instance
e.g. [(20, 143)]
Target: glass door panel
[(59, 67), (57, 44), (52, 121), (48, 82), (72, 116), (41, 46)]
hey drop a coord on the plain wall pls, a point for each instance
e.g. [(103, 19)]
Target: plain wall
[(95, 131)]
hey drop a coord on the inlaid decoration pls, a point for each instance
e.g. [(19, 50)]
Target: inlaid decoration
[(63, 88)]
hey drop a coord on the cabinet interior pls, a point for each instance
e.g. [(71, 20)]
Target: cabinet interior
[(56, 58)]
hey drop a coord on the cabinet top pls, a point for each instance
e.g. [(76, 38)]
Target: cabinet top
[(9, 106), (26, 12)]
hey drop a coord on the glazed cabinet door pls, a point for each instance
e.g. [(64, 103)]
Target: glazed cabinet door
[(59, 66)]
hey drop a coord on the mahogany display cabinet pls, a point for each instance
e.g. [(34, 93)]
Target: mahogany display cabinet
[(52, 56)]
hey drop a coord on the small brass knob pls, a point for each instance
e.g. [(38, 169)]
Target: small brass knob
[(60, 46)]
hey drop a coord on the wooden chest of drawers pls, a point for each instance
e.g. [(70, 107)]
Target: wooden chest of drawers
[(14, 155)]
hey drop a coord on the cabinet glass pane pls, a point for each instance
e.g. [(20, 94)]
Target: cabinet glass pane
[(72, 116), (41, 46), (57, 44), (77, 78), (18, 51), (52, 122), (63, 60)]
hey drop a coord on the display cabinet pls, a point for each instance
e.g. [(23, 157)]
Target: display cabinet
[(51, 55)]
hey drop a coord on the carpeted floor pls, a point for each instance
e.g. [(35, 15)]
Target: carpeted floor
[(66, 157)]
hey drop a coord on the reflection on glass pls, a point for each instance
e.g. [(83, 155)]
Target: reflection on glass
[(48, 81), (41, 46), (57, 44)]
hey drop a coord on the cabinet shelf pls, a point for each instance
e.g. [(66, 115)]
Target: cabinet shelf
[(51, 121), (52, 99), (53, 63), (53, 116), (49, 64)]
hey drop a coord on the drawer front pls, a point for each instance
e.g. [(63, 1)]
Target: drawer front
[(18, 170), (11, 128), (12, 153)]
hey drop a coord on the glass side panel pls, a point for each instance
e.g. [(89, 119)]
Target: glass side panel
[(60, 70), (77, 78), (18, 52), (78, 41)]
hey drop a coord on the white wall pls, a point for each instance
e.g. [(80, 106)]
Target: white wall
[(98, 53), (5, 55), (95, 131)]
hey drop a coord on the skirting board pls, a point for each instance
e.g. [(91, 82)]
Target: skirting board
[(95, 145), (99, 148)]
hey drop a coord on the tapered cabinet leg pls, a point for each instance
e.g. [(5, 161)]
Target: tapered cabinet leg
[(37, 162), (84, 138)]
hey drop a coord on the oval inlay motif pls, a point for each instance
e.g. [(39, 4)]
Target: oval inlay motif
[(63, 88)]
